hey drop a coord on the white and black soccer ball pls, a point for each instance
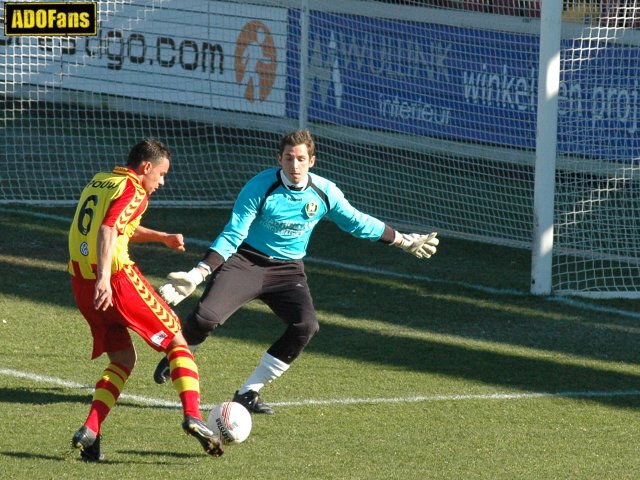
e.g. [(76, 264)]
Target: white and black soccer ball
[(231, 421)]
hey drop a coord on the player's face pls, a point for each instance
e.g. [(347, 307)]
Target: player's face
[(152, 176), (295, 162)]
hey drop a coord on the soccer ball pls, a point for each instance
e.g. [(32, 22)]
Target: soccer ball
[(230, 421)]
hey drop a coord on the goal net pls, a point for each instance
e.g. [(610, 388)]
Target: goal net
[(424, 112), (156, 68), (597, 204)]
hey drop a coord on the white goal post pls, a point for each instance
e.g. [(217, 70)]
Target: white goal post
[(427, 113)]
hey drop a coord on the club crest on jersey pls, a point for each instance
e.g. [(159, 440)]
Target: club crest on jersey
[(311, 209)]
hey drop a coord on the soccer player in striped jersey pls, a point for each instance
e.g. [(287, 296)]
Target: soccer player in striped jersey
[(113, 296), (258, 255)]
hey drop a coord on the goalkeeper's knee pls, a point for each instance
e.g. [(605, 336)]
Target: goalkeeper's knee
[(199, 325)]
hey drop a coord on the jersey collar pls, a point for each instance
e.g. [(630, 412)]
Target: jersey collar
[(127, 172), (292, 186)]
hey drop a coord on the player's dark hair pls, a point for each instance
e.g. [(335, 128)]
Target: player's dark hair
[(298, 137), (150, 150)]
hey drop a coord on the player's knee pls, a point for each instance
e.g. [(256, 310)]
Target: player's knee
[(126, 358), (308, 328), (199, 325)]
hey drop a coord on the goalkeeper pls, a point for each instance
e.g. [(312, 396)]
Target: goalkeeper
[(258, 255)]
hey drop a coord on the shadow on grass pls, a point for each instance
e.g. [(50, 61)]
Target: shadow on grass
[(430, 308), (32, 456), (46, 396), (158, 453), (27, 456), (41, 396), (479, 365), (425, 355)]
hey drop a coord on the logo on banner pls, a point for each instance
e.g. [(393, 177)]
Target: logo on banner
[(50, 18), (324, 71), (256, 61)]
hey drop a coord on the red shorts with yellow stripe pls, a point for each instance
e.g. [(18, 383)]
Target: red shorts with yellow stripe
[(136, 306)]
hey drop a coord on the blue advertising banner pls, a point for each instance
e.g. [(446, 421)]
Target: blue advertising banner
[(462, 84)]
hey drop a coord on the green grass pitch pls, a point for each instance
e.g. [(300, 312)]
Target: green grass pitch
[(437, 369)]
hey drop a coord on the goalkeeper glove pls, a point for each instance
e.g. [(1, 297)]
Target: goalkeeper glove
[(181, 285), (421, 246)]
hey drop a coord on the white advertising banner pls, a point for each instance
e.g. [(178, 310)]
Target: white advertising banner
[(191, 52)]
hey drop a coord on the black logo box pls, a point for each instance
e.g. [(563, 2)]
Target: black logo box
[(50, 18)]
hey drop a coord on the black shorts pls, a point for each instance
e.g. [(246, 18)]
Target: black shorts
[(248, 275)]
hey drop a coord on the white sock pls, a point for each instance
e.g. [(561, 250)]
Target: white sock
[(267, 371)]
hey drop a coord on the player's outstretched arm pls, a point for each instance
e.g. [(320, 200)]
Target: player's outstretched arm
[(174, 241), (171, 240), (421, 246)]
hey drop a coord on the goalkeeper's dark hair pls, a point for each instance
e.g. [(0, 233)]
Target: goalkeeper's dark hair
[(149, 149), (298, 137)]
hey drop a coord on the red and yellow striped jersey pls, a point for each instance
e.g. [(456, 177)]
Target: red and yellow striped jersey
[(115, 199)]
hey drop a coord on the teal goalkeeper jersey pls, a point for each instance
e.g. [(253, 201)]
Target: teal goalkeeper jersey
[(278, 222)]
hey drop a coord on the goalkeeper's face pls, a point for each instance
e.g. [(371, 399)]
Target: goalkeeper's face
[(152, 175), (295, 162)]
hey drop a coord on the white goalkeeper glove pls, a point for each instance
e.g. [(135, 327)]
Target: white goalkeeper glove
[(181, 285), (421, 246)]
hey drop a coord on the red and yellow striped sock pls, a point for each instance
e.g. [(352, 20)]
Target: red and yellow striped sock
[(106, 394), (184, 375)]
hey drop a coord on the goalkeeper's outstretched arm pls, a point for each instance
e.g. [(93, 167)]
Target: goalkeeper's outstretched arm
[(183, 284), (418, 245), (421, 246), (363, 225)]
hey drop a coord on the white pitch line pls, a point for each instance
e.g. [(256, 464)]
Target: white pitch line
[(460, 397), (78, 386), (149, 401)]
